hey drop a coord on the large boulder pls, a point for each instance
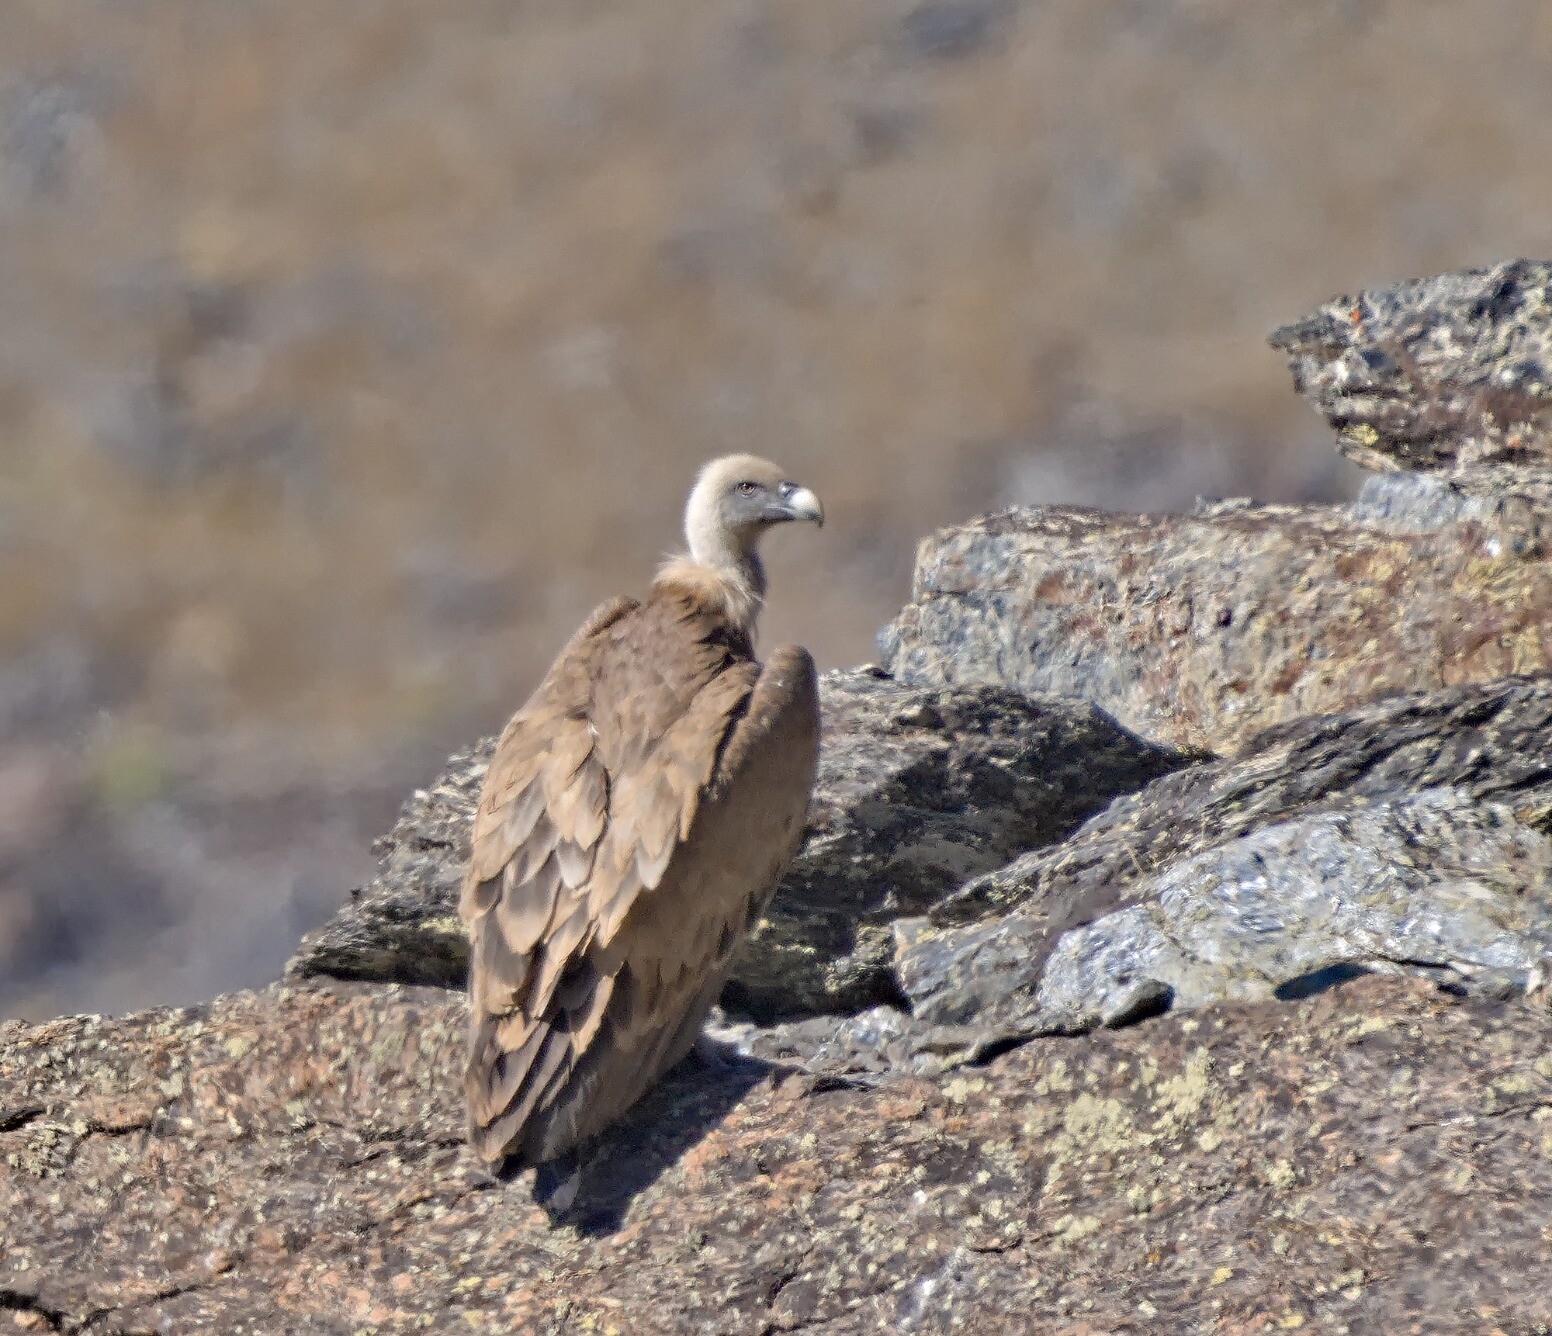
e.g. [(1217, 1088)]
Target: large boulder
[(1376, 1158), (919, 790), (1410, 835), (1199, 630), (1452, 370)]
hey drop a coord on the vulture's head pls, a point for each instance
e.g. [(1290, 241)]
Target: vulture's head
[(734, 501)]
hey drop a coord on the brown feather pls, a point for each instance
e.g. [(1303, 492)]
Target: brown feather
[(524, 909), (521, 813), (512, 1054)]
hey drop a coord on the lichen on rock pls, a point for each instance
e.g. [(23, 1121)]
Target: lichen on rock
[(1200, 630)]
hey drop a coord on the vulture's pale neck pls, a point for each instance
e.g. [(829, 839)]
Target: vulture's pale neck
[(722, 568)]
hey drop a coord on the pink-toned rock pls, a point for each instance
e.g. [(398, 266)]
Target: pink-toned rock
[(1372, 1159)]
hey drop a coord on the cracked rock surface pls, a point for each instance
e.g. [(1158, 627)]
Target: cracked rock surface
[(1488, 740), (1376, 1158), (1433, 883), (1412, 833)]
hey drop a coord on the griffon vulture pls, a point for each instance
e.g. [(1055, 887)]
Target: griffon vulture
[(637, 812)]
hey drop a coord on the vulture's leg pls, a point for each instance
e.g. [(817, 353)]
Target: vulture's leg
[(557, 1182)]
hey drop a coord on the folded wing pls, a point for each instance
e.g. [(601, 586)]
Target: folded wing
[(636, 815)]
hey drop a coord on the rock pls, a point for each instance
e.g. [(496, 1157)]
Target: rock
[(1515, 503), (1450, 370), (1375, 1158), (1430, 882), (918, 790), (1487, 740), (404, 927), (1412, 833), (1435, 884), (1199, 630)]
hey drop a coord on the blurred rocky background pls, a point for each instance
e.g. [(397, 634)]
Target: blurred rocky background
[(347, 357)]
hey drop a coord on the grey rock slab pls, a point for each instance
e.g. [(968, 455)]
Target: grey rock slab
[(1490, 740), (1450, 370), (1434, 883), (1410, 834), (1199, 630), (1513, 502), (919, 789)]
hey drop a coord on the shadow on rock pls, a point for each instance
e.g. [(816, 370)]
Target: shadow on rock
[(592, 1190)]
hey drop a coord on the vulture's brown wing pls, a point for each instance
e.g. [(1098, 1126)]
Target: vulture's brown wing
[(541, 812), (633, 823)]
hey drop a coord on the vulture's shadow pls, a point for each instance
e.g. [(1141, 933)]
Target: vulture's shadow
[(592, 1190)]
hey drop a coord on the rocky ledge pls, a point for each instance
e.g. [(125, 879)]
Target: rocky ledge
[(1453, 370), (1168, 950), (1377, 1158), (1202, 629)]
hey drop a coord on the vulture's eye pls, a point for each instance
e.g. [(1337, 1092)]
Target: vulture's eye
[(748, 488)]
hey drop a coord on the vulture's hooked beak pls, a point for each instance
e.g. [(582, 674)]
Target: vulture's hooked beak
[(798, 503)]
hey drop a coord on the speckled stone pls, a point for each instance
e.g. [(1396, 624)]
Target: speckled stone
[(1450, 370), (1199, 630), (1376, 1158), (1434, 883), (1488, 741)]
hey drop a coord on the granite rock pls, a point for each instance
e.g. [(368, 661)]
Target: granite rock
[(1375, 1158), (1434, 884), (1452, 370), (1411, 834), (1487, 740)]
